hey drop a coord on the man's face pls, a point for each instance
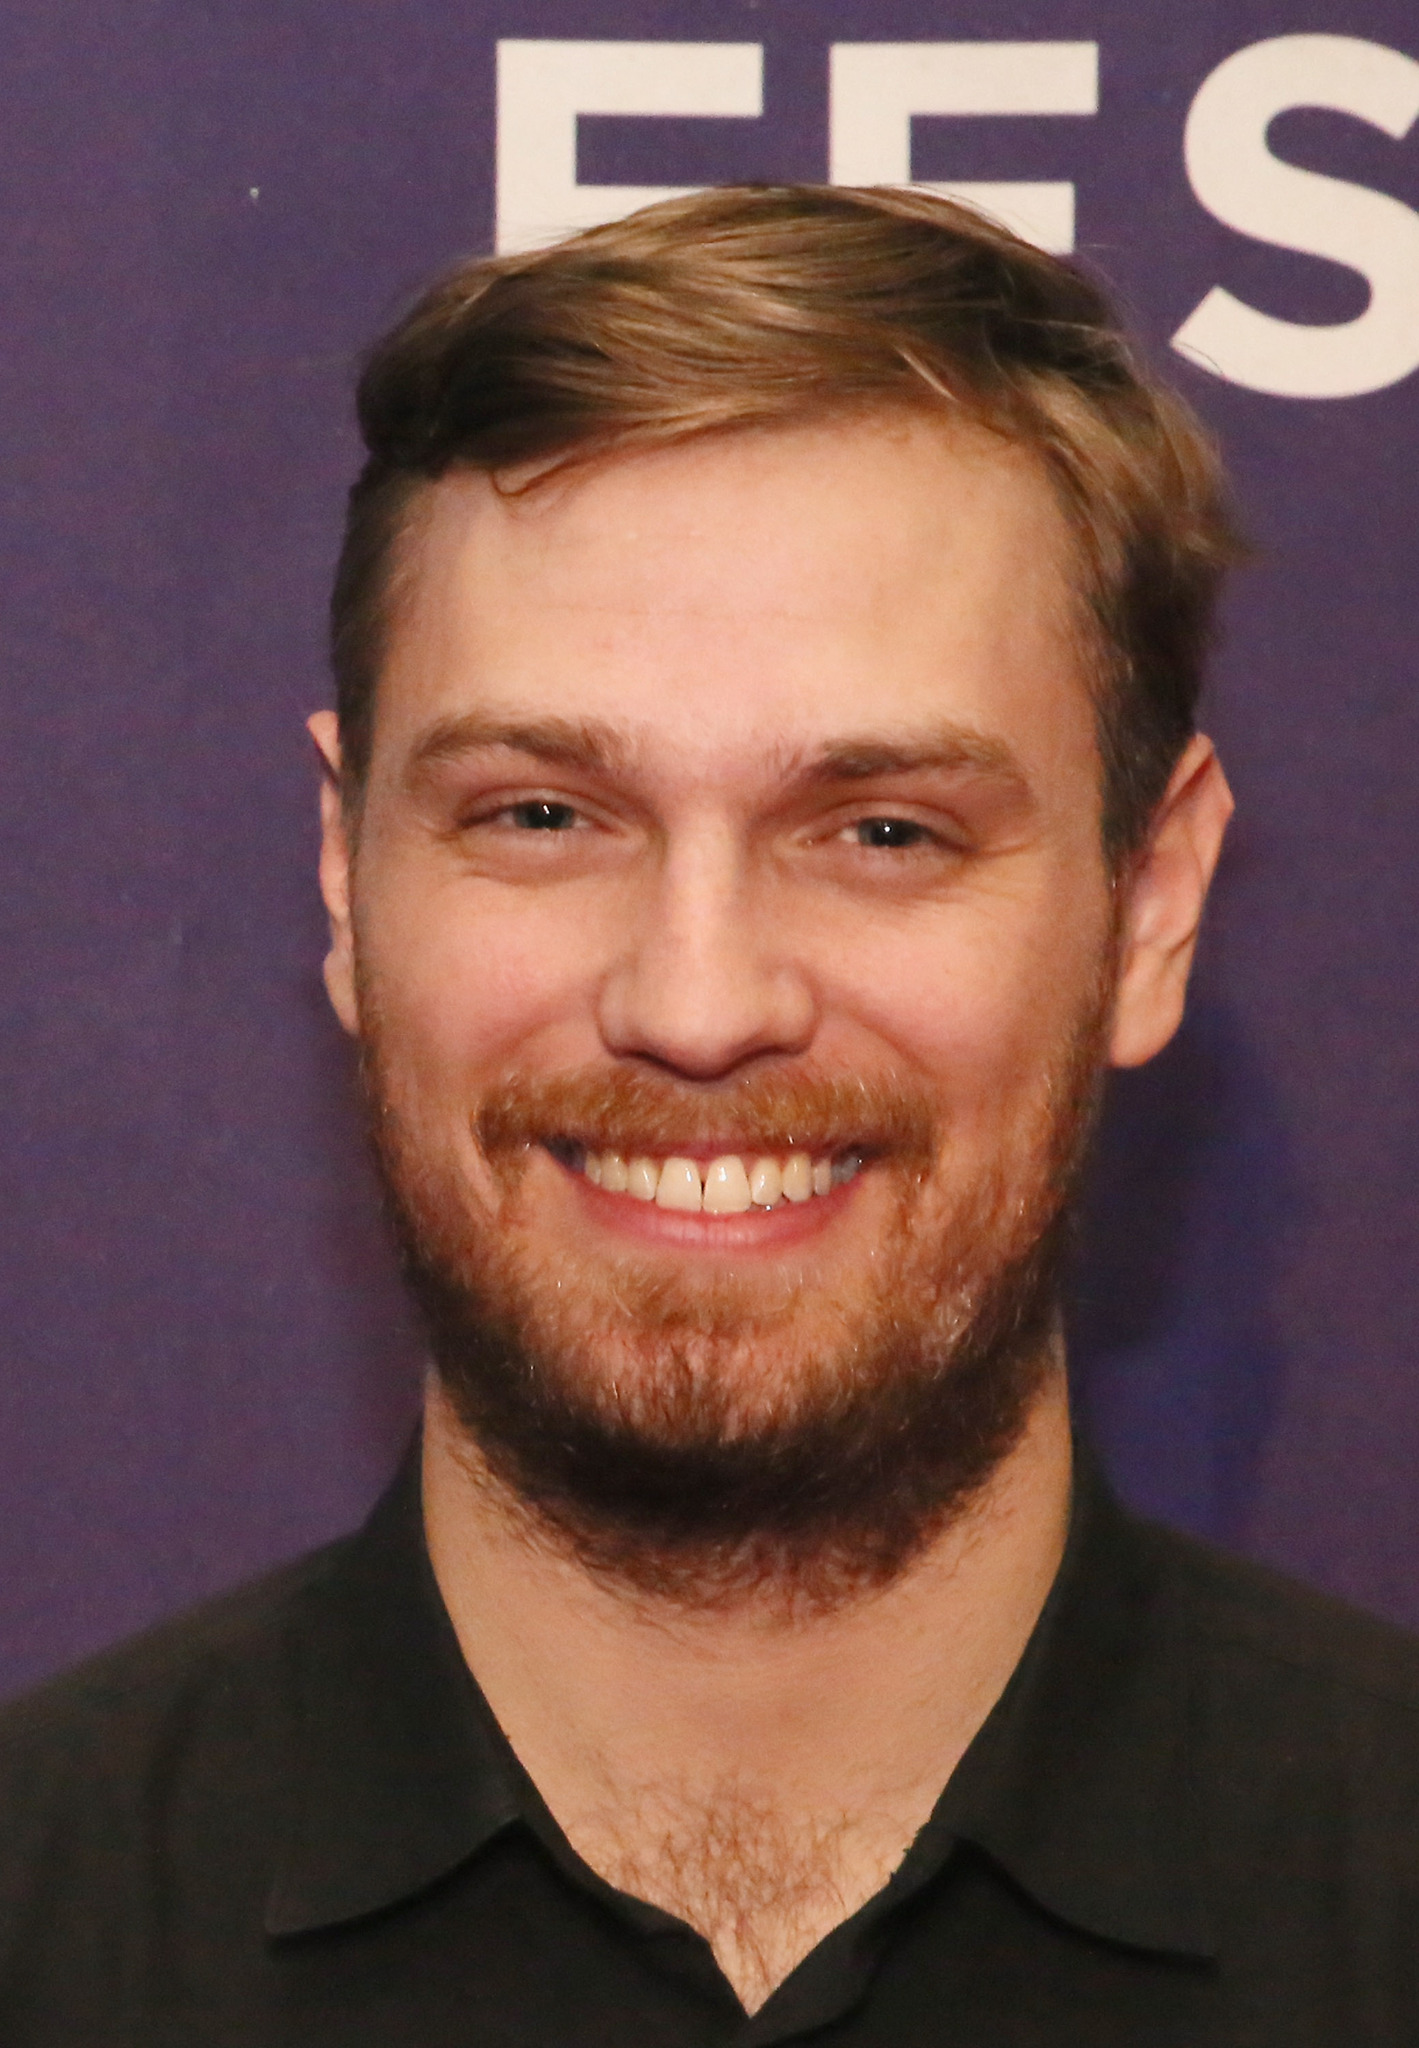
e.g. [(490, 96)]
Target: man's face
[(738, 803)]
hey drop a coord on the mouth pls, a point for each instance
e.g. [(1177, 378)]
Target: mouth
[(712, 1184)]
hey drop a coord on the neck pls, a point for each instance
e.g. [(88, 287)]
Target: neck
[(827, 1736)]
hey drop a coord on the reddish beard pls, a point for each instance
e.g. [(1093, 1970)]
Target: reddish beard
[(703, 1435)]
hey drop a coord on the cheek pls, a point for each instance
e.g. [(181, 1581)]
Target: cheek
[(982, 1001), (467, 981)]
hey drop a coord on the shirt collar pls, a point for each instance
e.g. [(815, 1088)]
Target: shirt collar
[(401, 1772), (1080, 1785)]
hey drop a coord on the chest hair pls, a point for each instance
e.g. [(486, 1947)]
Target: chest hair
[(761, 1885)]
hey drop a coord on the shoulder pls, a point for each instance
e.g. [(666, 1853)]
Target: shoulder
[(202, 1702), (1304, 1741), (1248, 1620), (168, 1755), (142, 1682)]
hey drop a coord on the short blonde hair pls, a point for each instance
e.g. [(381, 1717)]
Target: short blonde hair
[(758, 306)]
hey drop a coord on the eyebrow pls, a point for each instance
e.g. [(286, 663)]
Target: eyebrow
[(955, 749), (598, 748), (562, 742)]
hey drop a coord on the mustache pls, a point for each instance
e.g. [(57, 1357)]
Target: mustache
[(633, 1110)]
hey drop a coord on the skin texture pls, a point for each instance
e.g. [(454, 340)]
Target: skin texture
[(719, 663)]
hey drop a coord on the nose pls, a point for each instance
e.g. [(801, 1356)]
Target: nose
[(707, 980)]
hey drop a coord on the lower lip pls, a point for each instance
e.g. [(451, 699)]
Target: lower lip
[(786, 1224)]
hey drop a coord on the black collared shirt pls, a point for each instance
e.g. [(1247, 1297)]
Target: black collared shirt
[(1192, 1819)]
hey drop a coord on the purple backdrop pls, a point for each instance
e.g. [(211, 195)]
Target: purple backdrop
[(208, 210)]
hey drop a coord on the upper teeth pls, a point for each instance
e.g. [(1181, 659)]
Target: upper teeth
[(726, 1186)]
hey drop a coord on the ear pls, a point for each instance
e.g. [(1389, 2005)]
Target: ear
[(335, 852), (1165, 891)]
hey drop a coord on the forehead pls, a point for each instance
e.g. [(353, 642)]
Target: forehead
[(735, 599)]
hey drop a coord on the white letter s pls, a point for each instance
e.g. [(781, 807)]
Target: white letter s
[(1243, 185)]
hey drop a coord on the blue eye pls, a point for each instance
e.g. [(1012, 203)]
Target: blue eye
[(539, 815), (890, 833)]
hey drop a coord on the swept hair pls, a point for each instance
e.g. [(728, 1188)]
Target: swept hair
[(752, 307)]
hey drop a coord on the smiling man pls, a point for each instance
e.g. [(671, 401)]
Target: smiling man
[(763, 799)]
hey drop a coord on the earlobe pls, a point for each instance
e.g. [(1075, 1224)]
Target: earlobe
[(1165, 893), (339, 967)]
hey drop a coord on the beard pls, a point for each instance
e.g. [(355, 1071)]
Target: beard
[(766, 1428)]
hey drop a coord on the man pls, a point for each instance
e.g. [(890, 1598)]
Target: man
[(763, 798)]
